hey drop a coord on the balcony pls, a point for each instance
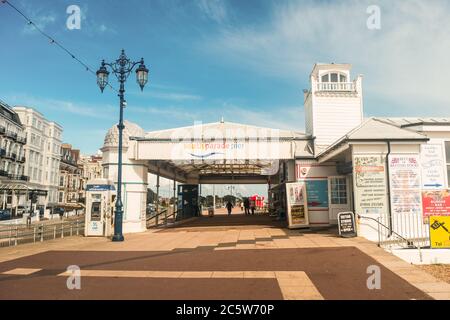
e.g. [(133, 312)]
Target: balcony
[(21, 159), (11, 135), (18, 177), (336, 86), (22, 140)]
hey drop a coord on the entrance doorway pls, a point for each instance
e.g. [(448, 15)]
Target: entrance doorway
[(339, 196)]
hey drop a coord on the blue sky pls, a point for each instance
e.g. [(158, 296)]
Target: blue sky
[(247, 61)]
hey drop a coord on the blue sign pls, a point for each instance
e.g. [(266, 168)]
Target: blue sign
[(99, 187), (317, 191)]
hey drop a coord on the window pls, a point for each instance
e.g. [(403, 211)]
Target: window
[(61, 197), (334, 77), (61, 181), (338, 188), (447, 160)]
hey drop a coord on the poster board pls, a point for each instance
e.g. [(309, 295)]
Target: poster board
[(405, 182), (346, 224), (297, 206), (440, 232), (436, 202), (433, 166), (370, 184)]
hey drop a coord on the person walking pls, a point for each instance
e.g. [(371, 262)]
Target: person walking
[(247, 206), (229, 207)]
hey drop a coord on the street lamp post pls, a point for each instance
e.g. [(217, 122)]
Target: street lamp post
[(121, 68)]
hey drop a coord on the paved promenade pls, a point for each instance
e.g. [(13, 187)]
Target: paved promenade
[(225, 257)]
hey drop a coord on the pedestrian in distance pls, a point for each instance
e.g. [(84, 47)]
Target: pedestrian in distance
[(247, 206), (229, 207)]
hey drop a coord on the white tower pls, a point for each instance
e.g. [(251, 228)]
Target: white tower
[(334, 105)]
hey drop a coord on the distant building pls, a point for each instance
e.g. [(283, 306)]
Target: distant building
[(71, 187), (92, 166), (13, 180), (42, 154)]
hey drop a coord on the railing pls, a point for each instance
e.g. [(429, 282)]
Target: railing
[(18, 177), (22, 140), (153, 220), (336, 86), (402, 230), (39, 232), (11, 134)]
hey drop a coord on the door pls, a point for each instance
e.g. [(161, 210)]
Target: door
[(339, 196)]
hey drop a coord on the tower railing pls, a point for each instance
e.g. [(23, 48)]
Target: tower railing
[(336, 86)]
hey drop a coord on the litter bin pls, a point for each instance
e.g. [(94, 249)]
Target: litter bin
[(211, 212)]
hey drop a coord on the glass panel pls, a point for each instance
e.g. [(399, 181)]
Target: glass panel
[(333, 77), (448, 175), (342, 78), (325, 78), (447, 151)]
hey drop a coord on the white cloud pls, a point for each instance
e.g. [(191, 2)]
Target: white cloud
[(213, 9), (403, 63), (81, 109)]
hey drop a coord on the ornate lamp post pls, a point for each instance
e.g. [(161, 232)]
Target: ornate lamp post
[(121, 68)]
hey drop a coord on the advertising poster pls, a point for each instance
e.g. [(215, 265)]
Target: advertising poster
[(404, 172), (404, 179), (297, 205), (317, 191), (436, 203), (433, 166), (440, 232), (406, 201), (370, 184)]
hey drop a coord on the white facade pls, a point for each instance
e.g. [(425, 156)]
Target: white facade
[(42, 152), (333, 96)]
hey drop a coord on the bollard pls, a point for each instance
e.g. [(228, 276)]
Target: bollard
[(34, 234), (78, 231), (165, 218), (54, 232), (71, 229), (42, 232), (10, 236), (17, 234), (62, 229)]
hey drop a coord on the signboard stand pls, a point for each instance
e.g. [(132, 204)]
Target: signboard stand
[(346, 224), (297, 205)]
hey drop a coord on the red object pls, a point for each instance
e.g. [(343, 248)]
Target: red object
[(257, 200), (436, 203)]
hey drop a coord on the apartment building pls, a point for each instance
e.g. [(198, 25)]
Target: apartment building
[(92, 166), (13, 180), (71, 187), (42, 154)]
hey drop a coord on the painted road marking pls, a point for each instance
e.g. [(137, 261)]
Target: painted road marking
[(294, 285), (21, 271)]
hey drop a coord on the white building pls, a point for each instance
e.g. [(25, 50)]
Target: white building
[(13, 180), (42, 153), (391, 172)]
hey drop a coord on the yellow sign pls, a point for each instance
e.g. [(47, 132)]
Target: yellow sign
[(440, 231)]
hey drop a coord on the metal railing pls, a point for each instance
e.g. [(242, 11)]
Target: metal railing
[(402, 230), (160, 218), (336, 86), (13, 235)]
